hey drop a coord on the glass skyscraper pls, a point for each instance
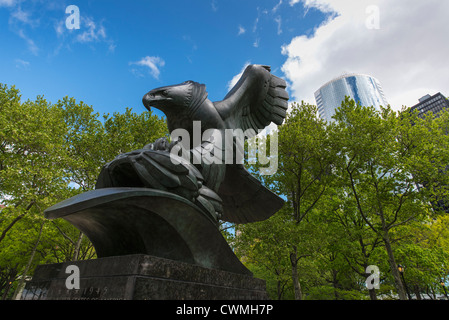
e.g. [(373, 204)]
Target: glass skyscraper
[(364, 89)]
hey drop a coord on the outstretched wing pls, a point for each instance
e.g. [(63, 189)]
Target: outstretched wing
[(257, 99)]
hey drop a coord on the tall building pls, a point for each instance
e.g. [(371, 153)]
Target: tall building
[(429, 103), (433, 104), (364, 89)]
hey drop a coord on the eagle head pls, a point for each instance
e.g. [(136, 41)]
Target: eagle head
[(177, 99), (181, 103)]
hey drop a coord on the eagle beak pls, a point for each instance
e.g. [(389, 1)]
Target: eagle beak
[(154, 98), (148, 100), (151, 99)]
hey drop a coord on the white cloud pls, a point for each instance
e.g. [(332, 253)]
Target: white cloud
[(241, 30), (30, 42), (20, 20), (256, 22), (407, 53), (21, 64), (276, 7), (111, 46), (7, 3), (214, 5), (153, 63), (21, 15), (256, 42), (59, 28), (278, 21), (93, 33)]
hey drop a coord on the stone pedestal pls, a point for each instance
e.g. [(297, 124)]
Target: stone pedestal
[(141, 277)]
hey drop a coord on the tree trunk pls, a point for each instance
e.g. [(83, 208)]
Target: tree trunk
[(30, 261), (17, 219), (76, 251), (417, 294), (296, 284), (394, 268), (279, 291), (372, 294), (335, 284), (295, 278), (12, 276)]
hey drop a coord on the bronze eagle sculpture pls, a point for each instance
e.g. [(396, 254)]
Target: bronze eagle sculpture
[(224, 191)]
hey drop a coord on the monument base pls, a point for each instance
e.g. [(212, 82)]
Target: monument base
[(140, 277)]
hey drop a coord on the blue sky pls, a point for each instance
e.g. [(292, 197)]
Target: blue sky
[(125, 48)]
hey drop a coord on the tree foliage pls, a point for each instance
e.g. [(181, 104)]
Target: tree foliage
[(358, 191), (48, 153)]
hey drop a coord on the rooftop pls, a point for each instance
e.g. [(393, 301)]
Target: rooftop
[(346, 75)]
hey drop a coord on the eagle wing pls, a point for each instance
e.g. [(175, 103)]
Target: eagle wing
[(255, 101)]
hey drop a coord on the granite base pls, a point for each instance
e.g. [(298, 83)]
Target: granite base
[(140, 277)]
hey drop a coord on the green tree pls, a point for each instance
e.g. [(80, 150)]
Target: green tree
[(261, 248), (382, 157), (304, 158), (424, 255), (352, 245), (128, 131), (91, 143), (48, 153), (358, 190), (31, 142)]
